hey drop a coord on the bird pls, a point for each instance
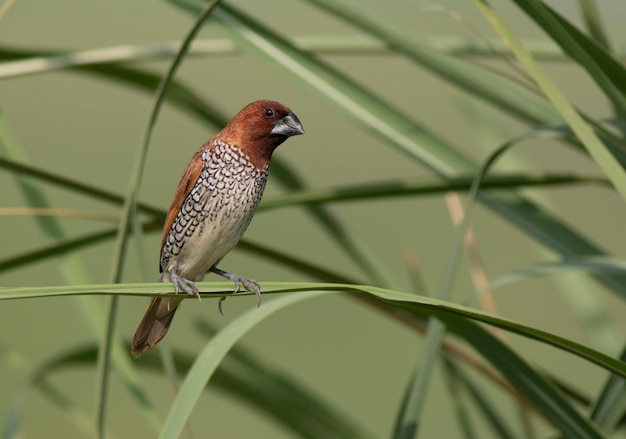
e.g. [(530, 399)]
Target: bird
[(214, 202)]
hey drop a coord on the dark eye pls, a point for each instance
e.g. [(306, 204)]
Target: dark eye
[(268, 112)]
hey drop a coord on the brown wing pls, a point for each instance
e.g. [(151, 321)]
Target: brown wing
[(187, 180)]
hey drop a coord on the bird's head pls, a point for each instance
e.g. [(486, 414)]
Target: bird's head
[(260, 127)]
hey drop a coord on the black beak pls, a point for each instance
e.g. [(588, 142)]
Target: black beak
[(289, 125)]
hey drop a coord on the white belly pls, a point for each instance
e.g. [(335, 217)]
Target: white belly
[(209, 244)]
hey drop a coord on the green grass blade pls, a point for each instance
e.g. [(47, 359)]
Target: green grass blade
[(592, 18), (409, 418), (22, 62), (129, 219), (55, 250), (291, 261), (480, 83), (577, 45), (602, 68), (178, 95), (408, 423), (483, 84), (601, 265), (211, 356), (561, 239), (341, 235), (242, 375), (368, 110), (422, 186), (36, 173), (454, 383), (133, 190), (273, 392), (557, 410), (413, 186), (484, 405), (33, 194), (37, 379), (610, 407), (422, 304), (409, 187), (74, 271), (31, 62), (489, 411), (77, 417), (600, 153)]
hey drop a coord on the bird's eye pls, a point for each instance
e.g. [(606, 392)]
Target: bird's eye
[(268, 112)]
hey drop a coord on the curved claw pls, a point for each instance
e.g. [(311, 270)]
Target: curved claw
[(219, 304), (253, 286), (237, 285), (188, 286), (250, 284)]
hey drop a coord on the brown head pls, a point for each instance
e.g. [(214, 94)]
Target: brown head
[(259, 128)]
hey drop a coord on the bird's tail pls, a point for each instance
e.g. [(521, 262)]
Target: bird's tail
[(154, 324)]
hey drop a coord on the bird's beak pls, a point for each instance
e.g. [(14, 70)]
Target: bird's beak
[(289, 125)]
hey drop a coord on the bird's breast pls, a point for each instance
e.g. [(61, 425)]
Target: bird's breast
[(216, 212)]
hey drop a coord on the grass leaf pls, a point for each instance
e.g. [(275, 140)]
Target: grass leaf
[(212, 355)]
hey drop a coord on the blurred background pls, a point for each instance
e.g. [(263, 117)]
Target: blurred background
[(359, 361)]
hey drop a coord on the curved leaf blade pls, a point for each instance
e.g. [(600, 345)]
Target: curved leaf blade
[(211, 356)]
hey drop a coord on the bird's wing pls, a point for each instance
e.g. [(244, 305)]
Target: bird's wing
[(188, 179)]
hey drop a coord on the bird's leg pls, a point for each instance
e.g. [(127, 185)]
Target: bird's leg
[(181, 283), (250, 284)]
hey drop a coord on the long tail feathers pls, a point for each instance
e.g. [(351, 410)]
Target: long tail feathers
[(154, 324)]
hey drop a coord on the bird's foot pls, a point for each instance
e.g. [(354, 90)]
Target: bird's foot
[(181, 283), (250, 284)]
